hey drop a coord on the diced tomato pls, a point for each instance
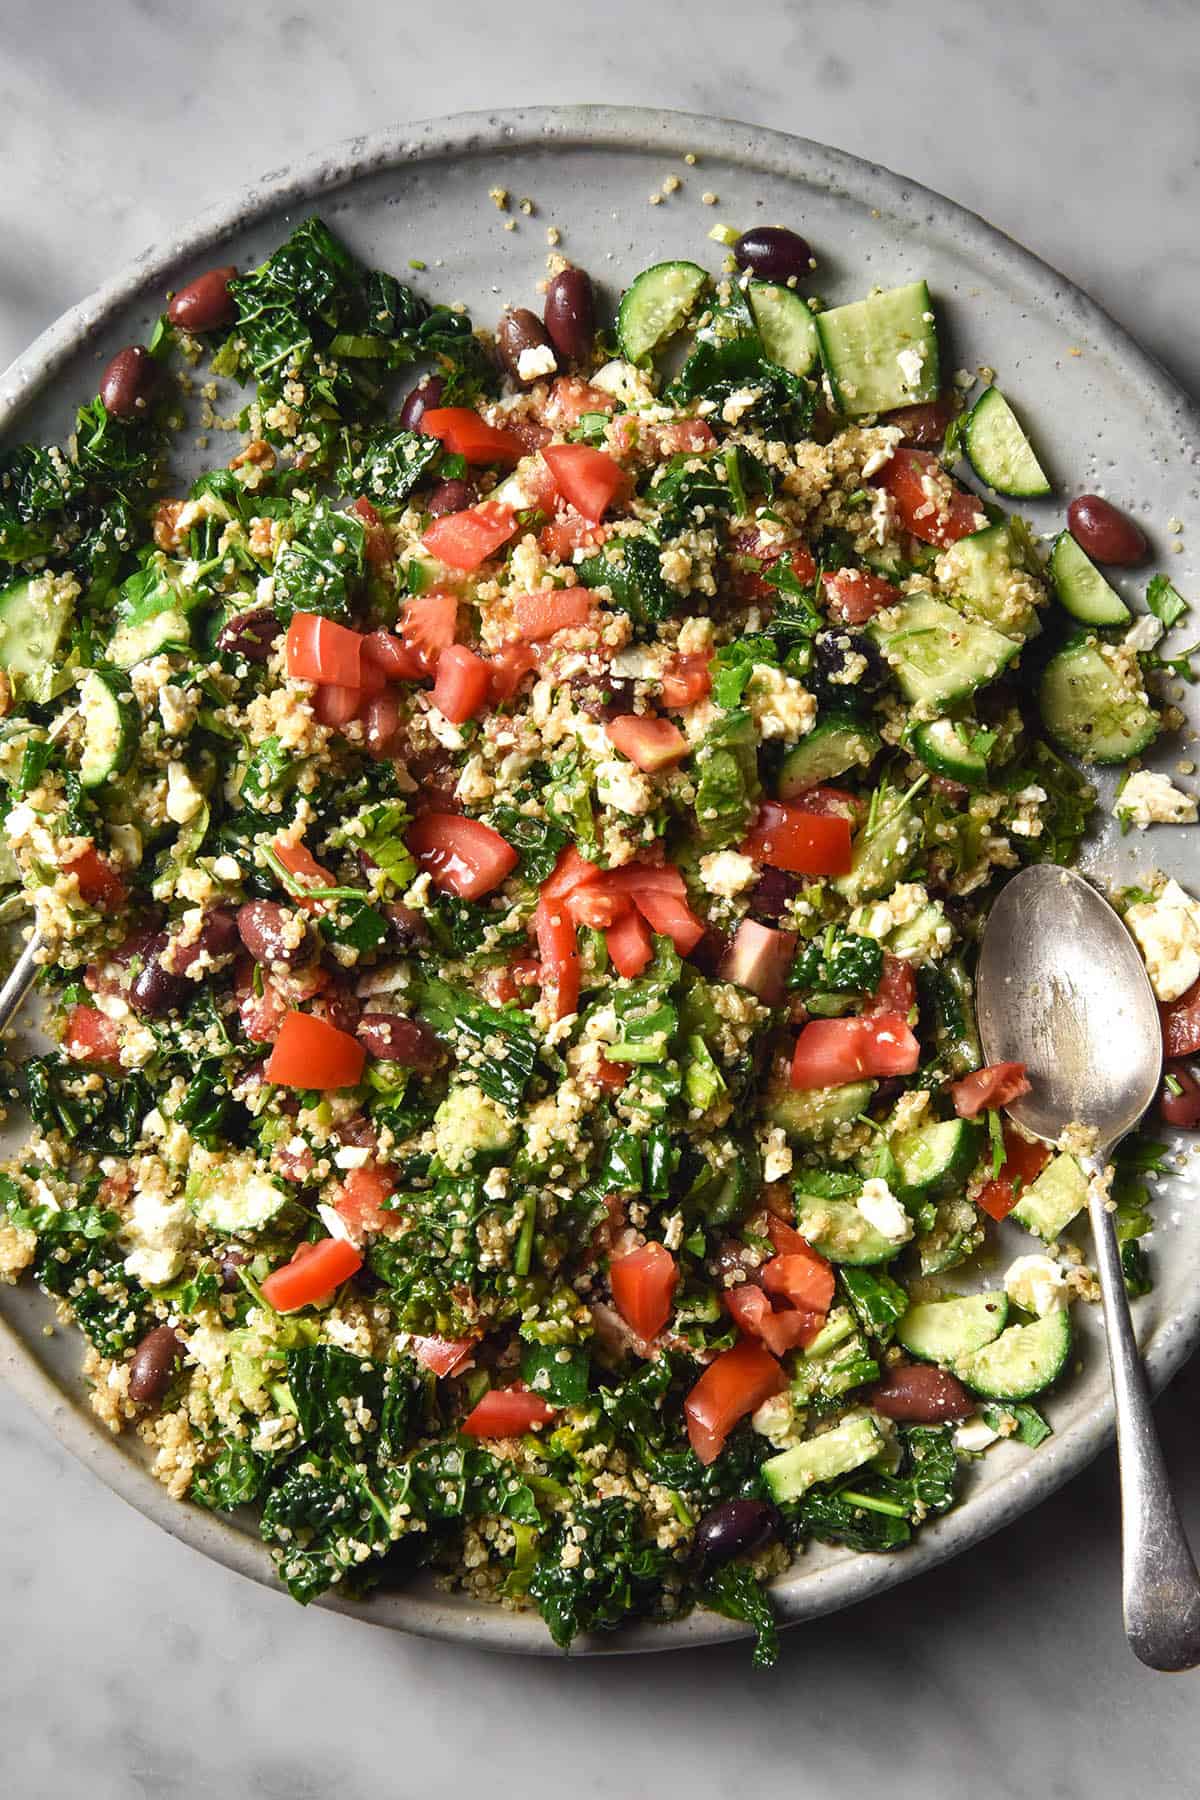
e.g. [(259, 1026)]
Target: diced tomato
[(611, 1076), (734, 1384), (92, 1037), (897, 990), (313, 1274), (465, 539), (1023, 1163), (597, 906), (924, 425), (686, 681), (829, 802), (649, 742), (336, 706), (360, 1197), (391, 657), (670, 917), (464, 856), (643, 1287), (630, 946), (463, 684), (647, 878), (753, 555), (99, 883), (803, 1277), (261, 1012), (782, 1329), (1181, 1024), (786, 1238), (1181, 1109), (676, 436), (800, 841), (857, 595), (589, 480), (509, 667), (465, 434), (443, 1356), (377, 545), (832, 1052), (570, 872), (570, 398), (558, 947), (994, 1086), (428, 625), (310, 1053), (928, 503), (506, 1412), (570, 531), (305, 870), (540, 615), (321, 650)]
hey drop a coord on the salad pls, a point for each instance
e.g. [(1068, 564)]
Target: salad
[(508, 863)]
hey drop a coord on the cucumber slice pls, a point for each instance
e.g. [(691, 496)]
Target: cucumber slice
[(956, 1233), (999, 451), (995, 576), (944, 746), (236, 1198), (656, 304), (809, 1115), (1021, 1361), (936, 1159), (835, 744), (847, 1446), (839, 1232), (34, 615), (111, 723), (937, 656), (1048, 1204), (944, 1331), (1081, 588), (878, 861), (134, 642), (882, 352), (1092, 709), (786, 326)]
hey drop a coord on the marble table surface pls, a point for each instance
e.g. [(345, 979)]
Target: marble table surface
[(134, 1668)]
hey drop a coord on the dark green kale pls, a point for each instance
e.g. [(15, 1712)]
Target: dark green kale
[(237, 1477), (947, 1016), (36, 488), (428, 1270), (339, 1397), (319, 567), (647, 1017), (387, 468), (78, 1260), (537, 841), (502, 1034), (560, 1374), (619, 1573), (879, 1302), (880, 1512), (721, 366), (838, 962), (1032, 1428), (316, 1518), (107, 1115), (1065, 811), (687, 490), (458, 1479), (735, 1593), (629, 568)]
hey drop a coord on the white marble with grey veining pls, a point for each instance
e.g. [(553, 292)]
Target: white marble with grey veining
[(133, 1668)]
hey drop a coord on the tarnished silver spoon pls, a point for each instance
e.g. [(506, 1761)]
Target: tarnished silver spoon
[(1061, 988)]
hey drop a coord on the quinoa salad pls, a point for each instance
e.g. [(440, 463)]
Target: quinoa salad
[(508, 847)]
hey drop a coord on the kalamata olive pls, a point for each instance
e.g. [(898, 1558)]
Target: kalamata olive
[(153, 1365), (1183, 1108), (735, 1528), (831, 657), (229, 1265), (276, 936), (771, 893), (602, 696), (393, 1038), (206, 303), (216, 938), (154, 990), (339, 1006), (707, 954), (381, 725), (128, 383), (924, 426), (421, 399), (249, 634), (570, 315), (523, 346), (1103, 532), (408, 926), (773, 253), (920, 1394), (450, 497)]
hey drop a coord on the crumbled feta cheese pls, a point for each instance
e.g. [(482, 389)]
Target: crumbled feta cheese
[(974, 1435), (738, 403), (910, 363), (1037, 1285), (156, 1232), (777, 1155), (727, 873), (695, 637), (184, 798), (537, 360), (177, 708), (226, 868), (1152, 799), (1144, 633), (883, 1212), (640, 662), (474, 783), (780, 705), (1168, 933), (334, 1223), (351, 1156), (621, 786)]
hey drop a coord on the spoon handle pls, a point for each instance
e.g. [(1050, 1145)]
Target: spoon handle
[(1161, 1589)]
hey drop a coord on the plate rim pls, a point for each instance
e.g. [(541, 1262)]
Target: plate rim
[(854, 1576)]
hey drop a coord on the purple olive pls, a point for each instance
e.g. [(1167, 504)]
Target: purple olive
[(128, 383), (421, 399), (450, 497), (570, 315), (773, 253), (153, 1365), (249, 634), (735, 1528), (519, 334)]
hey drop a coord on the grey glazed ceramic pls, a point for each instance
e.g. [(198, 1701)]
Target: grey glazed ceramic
[(1102, 412)]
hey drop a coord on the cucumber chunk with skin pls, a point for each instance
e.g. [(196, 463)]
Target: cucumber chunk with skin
[(944, 746), (938, 656), (836, 743), (1048, 1204), (878, 860), (995, 576), (839, 1232), (1081, 588), (944, 1331), (786, 326), (998, 449), (34, 615), (111, 722), (656, 304), (937, 1158), (810, 1115), (848, 1445), (881, 352), (1094, 706), (1021, 1361)]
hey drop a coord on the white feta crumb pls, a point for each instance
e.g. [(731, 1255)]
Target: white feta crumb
[(351, 1156), (184, 798), (974, 1435), (883, 1212), (1168, 934), (1152, 799), (727, 873), (1144, 633), (780, 705), (1037, 1285), (537, 360)]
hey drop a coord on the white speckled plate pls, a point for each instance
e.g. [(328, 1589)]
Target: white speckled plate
[(1102, 413)]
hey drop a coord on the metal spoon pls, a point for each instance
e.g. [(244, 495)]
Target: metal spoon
[(1061, 988), (20, 979)]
